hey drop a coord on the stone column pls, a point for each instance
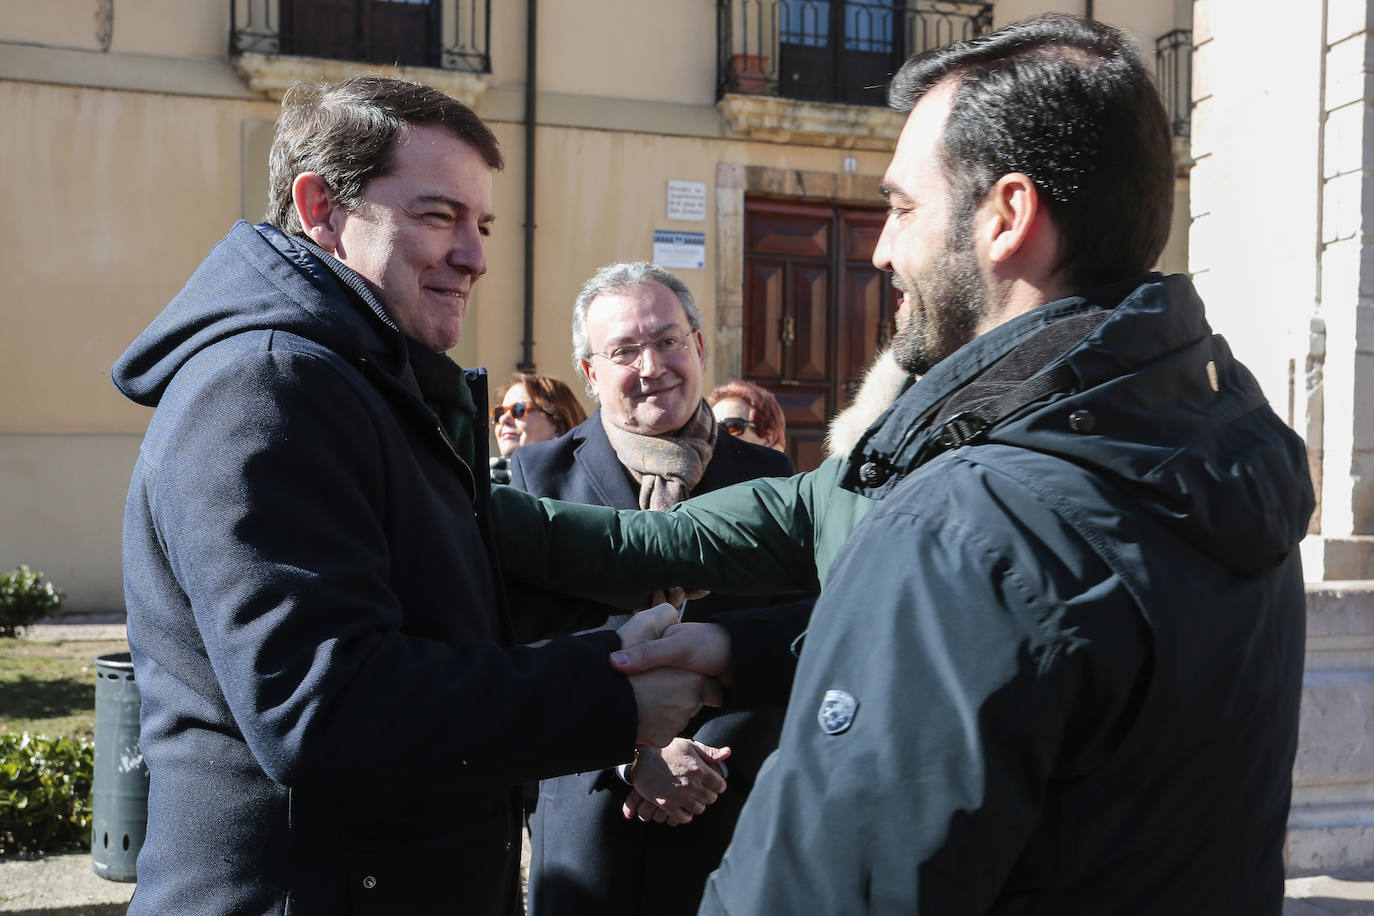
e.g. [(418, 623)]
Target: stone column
[(1347, 293), (1282, 200), (1283, 215)]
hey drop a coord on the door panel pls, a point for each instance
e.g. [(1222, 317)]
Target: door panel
[(868, 302), (806, 345), (763, 287), (816, 311), (804, 232)]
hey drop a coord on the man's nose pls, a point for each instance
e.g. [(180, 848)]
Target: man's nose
[(469, 253), (882, 255), (651, 362)]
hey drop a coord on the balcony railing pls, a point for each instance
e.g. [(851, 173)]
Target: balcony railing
[(1174, 72), (833, 50), (445, 34)]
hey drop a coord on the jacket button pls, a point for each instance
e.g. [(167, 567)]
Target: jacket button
[(871, 475), (369, 882), (1082, 421)]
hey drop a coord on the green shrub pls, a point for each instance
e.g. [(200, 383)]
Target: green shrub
[(25, 599), (45, 794)]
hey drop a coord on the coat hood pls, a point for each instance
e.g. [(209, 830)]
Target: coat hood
[(1157, 406), (257, 279)]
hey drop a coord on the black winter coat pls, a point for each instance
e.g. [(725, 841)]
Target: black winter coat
[(334, 719), (586, 857), (1057, 670)]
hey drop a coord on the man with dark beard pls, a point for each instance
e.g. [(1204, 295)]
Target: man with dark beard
[(1056, 666)]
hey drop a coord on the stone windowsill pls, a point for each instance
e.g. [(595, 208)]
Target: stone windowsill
[(271, 74), (777, 120)]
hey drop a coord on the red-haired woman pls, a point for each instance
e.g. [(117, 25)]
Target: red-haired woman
[(750, 412), (534, 408)]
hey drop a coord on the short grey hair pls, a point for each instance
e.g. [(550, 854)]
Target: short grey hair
[(616, 278)]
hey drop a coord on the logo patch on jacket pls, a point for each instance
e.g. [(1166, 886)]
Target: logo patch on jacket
[(836, 712)]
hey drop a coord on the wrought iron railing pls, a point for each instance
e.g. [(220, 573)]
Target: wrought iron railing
[(1174, 72), (456, 34), (833, 50)]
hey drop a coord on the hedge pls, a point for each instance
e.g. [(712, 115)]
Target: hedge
[(45, 794)]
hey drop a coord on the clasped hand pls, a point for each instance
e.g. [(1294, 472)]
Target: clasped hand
[(675, 784), (666, 697)]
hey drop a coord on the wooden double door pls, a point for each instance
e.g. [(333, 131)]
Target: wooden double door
[(816, 311)]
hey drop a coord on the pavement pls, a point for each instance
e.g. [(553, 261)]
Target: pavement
[(66, 885)]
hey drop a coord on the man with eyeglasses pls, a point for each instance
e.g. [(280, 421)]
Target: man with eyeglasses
[(608, 841)]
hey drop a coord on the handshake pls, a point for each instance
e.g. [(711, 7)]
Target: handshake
[(675, 669)]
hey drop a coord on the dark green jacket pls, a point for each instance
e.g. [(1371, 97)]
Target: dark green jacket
[(766, 536)]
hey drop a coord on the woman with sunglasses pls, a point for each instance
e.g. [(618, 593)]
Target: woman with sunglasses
[(535, 408), (750, 412)]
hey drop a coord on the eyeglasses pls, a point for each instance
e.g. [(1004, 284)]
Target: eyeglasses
[(517, 410), (736, 426), (629, 355)]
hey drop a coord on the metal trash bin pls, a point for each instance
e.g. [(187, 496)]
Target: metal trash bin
[(120, 817)]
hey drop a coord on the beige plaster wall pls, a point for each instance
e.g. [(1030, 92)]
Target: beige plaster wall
[(122, 194), (638, 50), (168, 28), (69, 23), (1143, 21), (62, 506)]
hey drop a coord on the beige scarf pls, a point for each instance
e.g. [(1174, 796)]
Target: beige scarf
[(666, 467)]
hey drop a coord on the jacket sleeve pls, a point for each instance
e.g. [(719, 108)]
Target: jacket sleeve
[(765, 643), (537, 614), (941, 681), (752, 538), (273, 517)]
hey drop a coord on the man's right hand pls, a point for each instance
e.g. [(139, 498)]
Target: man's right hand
[(667, 699), (700, 647)]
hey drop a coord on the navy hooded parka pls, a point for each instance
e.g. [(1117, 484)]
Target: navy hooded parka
[(334, 720)]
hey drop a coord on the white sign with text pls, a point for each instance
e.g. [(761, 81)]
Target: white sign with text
[(686, 200), (680, 249)]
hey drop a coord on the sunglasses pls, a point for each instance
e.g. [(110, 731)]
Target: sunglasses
[(517, 410), (736, 426)]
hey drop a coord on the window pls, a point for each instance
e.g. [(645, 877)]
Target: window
[(447, 34), (834, 50), (374, 31)]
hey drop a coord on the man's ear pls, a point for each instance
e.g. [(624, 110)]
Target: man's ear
[(316, 210), (588, 372), (1011, 216), (701, 347)]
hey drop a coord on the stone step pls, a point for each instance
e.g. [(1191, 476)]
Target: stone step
[(1331, 828), (1338, 559)]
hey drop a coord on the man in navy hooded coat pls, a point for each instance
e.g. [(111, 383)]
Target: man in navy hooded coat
[(335, 718), (1057, 668)]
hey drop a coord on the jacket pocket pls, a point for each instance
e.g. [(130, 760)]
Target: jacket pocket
[(468, 866)]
